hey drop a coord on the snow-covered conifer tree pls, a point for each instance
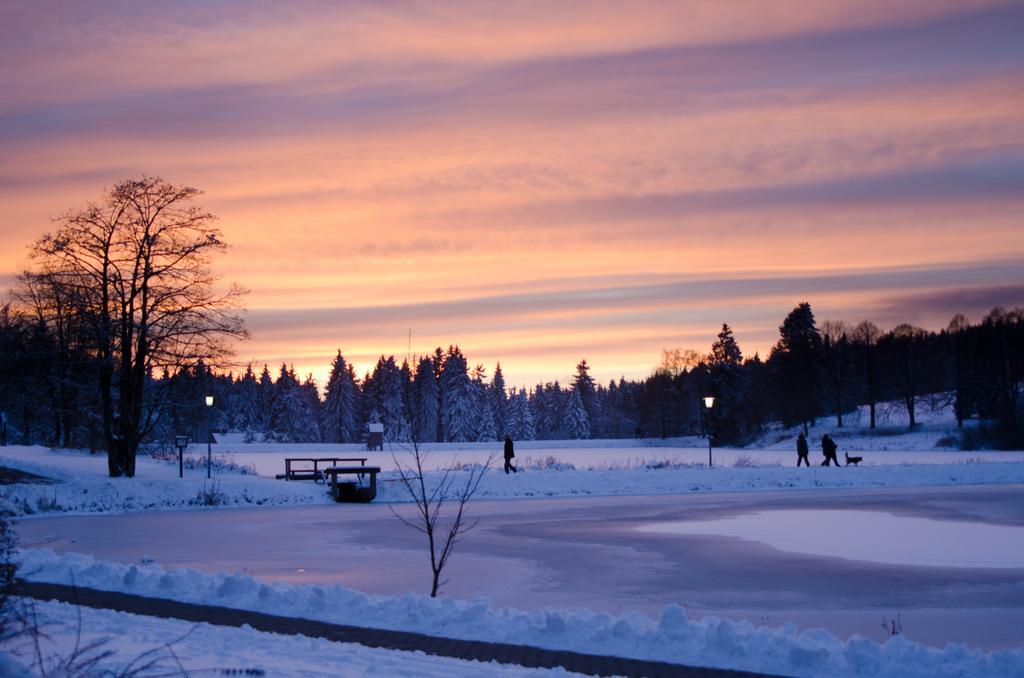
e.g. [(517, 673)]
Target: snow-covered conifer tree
[(584, 384), (388, 402), (498, 399), (310, 421), (549, 414), (574, 421), (458, 400), (292, 419), (244, 405), (520, 424), (483, 419), (265, 394), (424, 406), (339, 409)]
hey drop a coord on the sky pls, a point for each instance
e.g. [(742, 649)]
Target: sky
[(541, 182)]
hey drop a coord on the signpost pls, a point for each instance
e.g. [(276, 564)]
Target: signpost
[(181, 442)]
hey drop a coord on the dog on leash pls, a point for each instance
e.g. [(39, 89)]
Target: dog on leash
[(853, 460)]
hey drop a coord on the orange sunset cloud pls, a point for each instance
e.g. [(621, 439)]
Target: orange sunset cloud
[(542, 182)]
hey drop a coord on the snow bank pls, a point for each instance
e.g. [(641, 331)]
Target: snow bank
[(673, 638), (181, 648)]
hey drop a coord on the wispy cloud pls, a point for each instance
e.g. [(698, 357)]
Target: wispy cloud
[(539, 182)]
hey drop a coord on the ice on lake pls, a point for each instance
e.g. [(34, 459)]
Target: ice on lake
[(873, 536)]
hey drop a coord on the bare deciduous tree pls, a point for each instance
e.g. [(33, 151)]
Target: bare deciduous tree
[(836, 352), (865, 341), (452, 487), (137, 265), (675, 361)]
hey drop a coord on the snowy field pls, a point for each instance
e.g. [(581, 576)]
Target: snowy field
[(888, 444), (910, 488), (85, 487)]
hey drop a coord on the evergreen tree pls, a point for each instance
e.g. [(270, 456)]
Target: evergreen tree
[(483, 423), (520, 423), (406, 380), (575, 422), (265, 394), (659, 405), (425, 396), (486, 430), (340, 404), (498, 400), (387, 400), (292, 419), (311, 411), (725, 350), (547, 407), (458, 398), (796, 366), (245, 405), (729, 387), (755, 409), (438, 368), (584, 384)]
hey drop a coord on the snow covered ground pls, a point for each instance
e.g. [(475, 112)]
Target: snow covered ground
[(243, 477), (86, 488), (673, 637), (201, 649)]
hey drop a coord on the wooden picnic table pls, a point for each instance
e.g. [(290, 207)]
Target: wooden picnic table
[(314, 473), (353, 490)]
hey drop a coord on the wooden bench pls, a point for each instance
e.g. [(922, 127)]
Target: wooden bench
[(316, 473), (352, 490)]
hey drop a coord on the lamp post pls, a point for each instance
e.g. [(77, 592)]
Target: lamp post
[(709, 402), (209, 434)]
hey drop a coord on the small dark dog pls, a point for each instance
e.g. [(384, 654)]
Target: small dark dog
[(853, 460)]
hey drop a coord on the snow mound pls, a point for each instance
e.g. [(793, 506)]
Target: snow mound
[(672, 638)]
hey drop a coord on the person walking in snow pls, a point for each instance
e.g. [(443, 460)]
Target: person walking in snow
[(801, 450), (828, 448), (510, 453)]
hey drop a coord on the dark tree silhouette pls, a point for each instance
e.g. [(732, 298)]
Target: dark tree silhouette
[(796, 363), (865, 344), (836, 360), (137, 265)]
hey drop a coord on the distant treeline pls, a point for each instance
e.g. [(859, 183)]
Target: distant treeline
[(48, 396)]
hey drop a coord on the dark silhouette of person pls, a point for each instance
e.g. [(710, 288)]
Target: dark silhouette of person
[(509, 453), (828, 448), (801, 450)]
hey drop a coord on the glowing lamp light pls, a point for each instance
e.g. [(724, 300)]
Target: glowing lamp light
[(209, 435), (709, 401)]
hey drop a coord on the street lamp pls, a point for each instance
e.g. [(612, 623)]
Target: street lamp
[(709, 402), (209, 434)]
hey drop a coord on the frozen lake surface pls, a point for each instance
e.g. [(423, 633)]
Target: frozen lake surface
[(588, 553), (868, 535)]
